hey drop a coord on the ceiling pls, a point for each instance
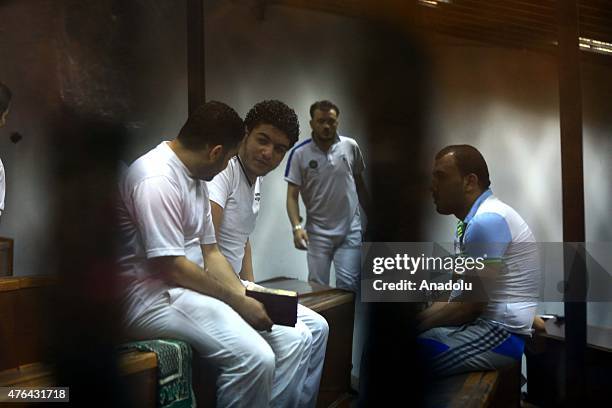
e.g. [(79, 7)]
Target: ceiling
[(526, 24)]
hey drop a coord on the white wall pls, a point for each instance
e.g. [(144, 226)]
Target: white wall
[(503, 102), (295, 56), (597, 94)]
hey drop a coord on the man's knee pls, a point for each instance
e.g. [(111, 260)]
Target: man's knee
[(262, 360), (299, 339), (307, 338), (320, 330)]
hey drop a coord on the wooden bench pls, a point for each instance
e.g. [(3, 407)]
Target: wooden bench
[(338, 308), (23, 350), (138, 369), (478, 389)]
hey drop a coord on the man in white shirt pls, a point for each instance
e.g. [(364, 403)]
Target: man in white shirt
[(327, 170), (484, 329), (235, 194), (5, 101), (178, 284)]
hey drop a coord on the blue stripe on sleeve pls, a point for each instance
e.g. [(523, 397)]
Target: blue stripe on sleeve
[(487, 233), (305, 142)]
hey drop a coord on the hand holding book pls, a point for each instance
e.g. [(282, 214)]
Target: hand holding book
[(281, 305)]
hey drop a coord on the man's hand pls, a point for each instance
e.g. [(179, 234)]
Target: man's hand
[(254, 313), (300, 239)]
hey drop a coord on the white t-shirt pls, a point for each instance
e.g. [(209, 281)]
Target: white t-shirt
[(327, 184), (163, 211), (2, 187), (232, 190), (497, 232)]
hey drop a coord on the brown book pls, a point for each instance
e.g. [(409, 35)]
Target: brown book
[(281, 305)]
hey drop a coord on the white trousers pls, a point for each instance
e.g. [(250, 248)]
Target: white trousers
[(281, 368), (343, 251), (319, 331)]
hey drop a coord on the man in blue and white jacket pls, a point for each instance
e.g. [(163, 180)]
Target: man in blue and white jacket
[(485, 331)]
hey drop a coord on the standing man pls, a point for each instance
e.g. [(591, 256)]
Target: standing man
[(486, 331), (272, 128), (177, 282), (327, 170), (5, 101)]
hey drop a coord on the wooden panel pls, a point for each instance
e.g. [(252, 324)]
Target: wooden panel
[(302, 288), (135, 361), (139, 377), (6, 256), (477, 390), (141, 389), (8, 338), (337, 307), (9, 284), (572, 194), (32, 317), (31, 375), (24, 313), (509, 23), (327, 301), (336, 378)]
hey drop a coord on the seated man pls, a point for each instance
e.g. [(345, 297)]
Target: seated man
[(177, 284), (484, 333), (235, 195)]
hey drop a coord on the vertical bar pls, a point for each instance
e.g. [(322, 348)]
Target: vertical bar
[(195, 54), (570, 113)]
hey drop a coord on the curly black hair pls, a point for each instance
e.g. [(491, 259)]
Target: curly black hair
[(277, 114), (212, 123)]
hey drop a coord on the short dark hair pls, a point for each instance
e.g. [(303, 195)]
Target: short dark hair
[(469, 160), (324, 106), (212, 123), (5, 97), (277, 114)]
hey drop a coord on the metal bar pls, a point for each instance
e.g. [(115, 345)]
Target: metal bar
[(570, 115)]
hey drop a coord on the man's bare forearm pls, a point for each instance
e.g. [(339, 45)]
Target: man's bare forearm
[(218, 281), (182, 272), (247, 264), (293, 208), (220, 269)]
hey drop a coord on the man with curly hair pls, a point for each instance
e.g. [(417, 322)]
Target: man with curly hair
[(177, 283), (272, 128), (5, 100)]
